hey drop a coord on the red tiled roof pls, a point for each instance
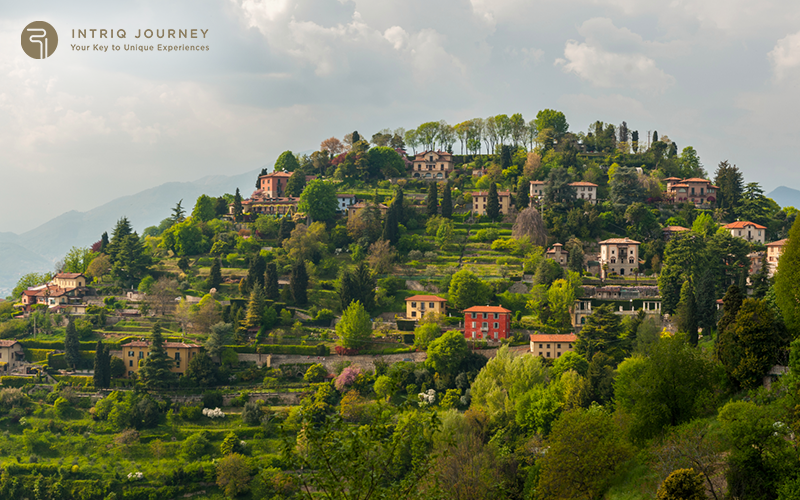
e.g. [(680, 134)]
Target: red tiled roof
[(136, 343), (697, 179), (740, 224), (426, 298), (618, 241), (583, 183), (146, 343), (778, 243), (671, 179), (554, 338), (276, 174), (537, 182), (487, 309), (181, 345)]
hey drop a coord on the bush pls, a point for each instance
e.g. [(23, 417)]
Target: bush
[(315, 373), (15, 381), (195, 446), (190, 413), (251, 414), (212, 399), (324, 315)]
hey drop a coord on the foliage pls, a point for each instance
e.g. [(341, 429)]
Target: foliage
[(233, 474), (318, 200), (786, 279), (467, 290), (682, 484), (446, 353), (155, 370), (355, 328)]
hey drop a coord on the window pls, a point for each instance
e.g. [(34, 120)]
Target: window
[(473, 324), (495, 335), (177, 356), (558, 346), (548, 354), (540, 346), (430, 304), (548, 346), (474, 315), (496, 325), (130, 362), (540, 352), (131, 354), (558, 354), (485, 316), (570, 346), (485, 325), (177, 364), (496, 315), (141, 354), (413, 304)]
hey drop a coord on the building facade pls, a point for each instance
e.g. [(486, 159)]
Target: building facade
[(746, 230), (491, 323), (481, 198), (419, 305), (558, 254), (11, 355), (273, 185), (432, 165), (344, 201), (583, 190), (620, 256), (694, 190), (552, 346), (133, 353), (774, 252), (69, 280)]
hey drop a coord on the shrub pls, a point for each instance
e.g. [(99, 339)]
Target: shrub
[(212, 399), (195, 446), (251, 414), (315, 373), (347, 377), (190, 413)]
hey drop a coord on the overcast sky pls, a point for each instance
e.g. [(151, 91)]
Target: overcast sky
[(82, 128)]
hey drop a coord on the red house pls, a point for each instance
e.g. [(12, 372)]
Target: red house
[(487, 323)]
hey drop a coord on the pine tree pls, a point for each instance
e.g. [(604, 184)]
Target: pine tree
[(156, 369), (523, 198), (215, 275), (447, 202), (104, 242), (706, 303), (219, 336), (178, 213), (298, 283), (72, 346), (121, 231), (433, 201), (493, 203), (761, 280), (390, 226), (255, 309), (358, 285), (285, 229), (687, 312), (237, 206), (256, 271), (271, 289)]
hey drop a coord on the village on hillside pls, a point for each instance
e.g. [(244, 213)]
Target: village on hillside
[(490, 296)]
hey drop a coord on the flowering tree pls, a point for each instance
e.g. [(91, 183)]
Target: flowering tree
[(347, 377)]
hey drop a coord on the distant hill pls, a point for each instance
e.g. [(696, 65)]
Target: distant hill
[(785, 197), (38, 249)]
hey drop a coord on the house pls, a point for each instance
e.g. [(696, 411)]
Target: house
[(258, 203), (490, 323), (747, 230), (352, 209), (432, 165), (537, 190), (620, 256), (774, 252), (69, 280), (273, 185), (480, 199), (11, 355), (49, 295), (582, 308), (343, 201), (671, 231), (755, 259), (134, 352), (583, 190), (558, 254), (418, 305), (552, 346), (693, 190)]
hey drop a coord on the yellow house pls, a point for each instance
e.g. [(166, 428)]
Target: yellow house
[(552, 346), (774, 252), (481, 198), (418, 305), (69, 280), (135, 352), (11, 355)]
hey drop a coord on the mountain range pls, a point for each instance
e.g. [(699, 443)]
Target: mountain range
[(785, 197), (39, 249)]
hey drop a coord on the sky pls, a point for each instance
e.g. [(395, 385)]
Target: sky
[(84, 127)]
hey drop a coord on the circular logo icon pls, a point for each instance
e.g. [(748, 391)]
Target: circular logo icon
[(39, 40)]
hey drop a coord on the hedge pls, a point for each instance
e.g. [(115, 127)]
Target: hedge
[(406, 325), (11, 381), (393, 350), (36, 355), (58, 345), (75, 379), (310, 350)]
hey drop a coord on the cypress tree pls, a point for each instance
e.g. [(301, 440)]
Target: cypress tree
[(347, 289), (285, 229), (505, 156), (72, 346), (271, 289), (390, 226), (655, 136), (104, 242), (256, 271), (523, 198), (255, 309), (706, 302), (493, 202), (237, 206), (433, 200), (447, 202), (365, 283), (155, 371), (298, 283), (761, 280), (687, 312), (215, 276), (102, 366), (787, 293), (178, 213), (398, 200), (731, 303)]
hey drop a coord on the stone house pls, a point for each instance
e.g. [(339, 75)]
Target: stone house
[(432, 165), (620, 256)]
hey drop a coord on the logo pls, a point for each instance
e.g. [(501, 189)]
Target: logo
[(39, 40)]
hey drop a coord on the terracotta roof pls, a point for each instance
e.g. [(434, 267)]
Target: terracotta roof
[(69, 276), (583, 183), (671, 179), (680, 185), (421, 156), (675, 228), (146, 343), (697, 179), (8, 343), (492, 309), (486, 193), (617, 241), (136, 343), (181, 345), (569, 337), (778, 243), (740, 224), (426, 298), (537, 182), (276, 174)]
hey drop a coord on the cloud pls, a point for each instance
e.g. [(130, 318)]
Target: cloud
[(785, 57), (613, 107), (614, 57)]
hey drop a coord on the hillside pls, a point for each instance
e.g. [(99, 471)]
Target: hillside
[(785, 196)]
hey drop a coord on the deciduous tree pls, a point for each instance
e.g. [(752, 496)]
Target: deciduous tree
[(355, 328), (318, 200)]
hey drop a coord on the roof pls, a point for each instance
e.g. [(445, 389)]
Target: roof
[(569, 337), (69, 276), (421, 156), (680, 185), (8, 343), (537, 182), (583, 183), (180, 345), (486, 193), (426, 298), (697, 179), (487, 309), (276, 174), (619, 241), (739, 224), (778, 243), (667, 179), (146, 343), (136, 343), (675, 228)]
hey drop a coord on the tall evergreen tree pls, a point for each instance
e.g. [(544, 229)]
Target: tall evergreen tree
[(493, 202), (505, 156), (730, 181), (156, 369), (706, 302), (731, 303), (390, 226), (523, 198), (131, 262), (271, 289), (298, 283), (687, 312), (178, 213), (255, 309), (447, 202), (399, 200), (256, 271), (655, 136), (72, 345), (219, 336), (102, 367), (104, 242), (761, 280), (296, 183), (285, 229), (237, 206), (787, 291), (433, 200), (358, 285), (215, 275), (121, 231), (220, 206)]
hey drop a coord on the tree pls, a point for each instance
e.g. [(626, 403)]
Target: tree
[(529, 223), (386, 161), (333, 146), (357, 285), (446, 353), (493, 203), (286, 162), (586, 447), (706, 303), (256, 271), (271, 289), (687, 312), (220, 336), (72, 345), (523, 198), (760, 279), (730, 181), (315, 373), (156, 368), (625, 186), (102, 367), (575, 258), (30, 280), (381, 256), (255, 309), (355, 328), (467, 290), (298, 283), (731, 303), (295, 184), (391, 225), (318, 200), (681, 262), (682, 484), (204, 209), (551, 119), (178, 214), (77, 260), (121, 231), (233, 474), (202, 370), (426, 333), (432, 200), (237, 206), (601, 333), (447, 201), (285, 229), (215, 275), (787, 293)]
